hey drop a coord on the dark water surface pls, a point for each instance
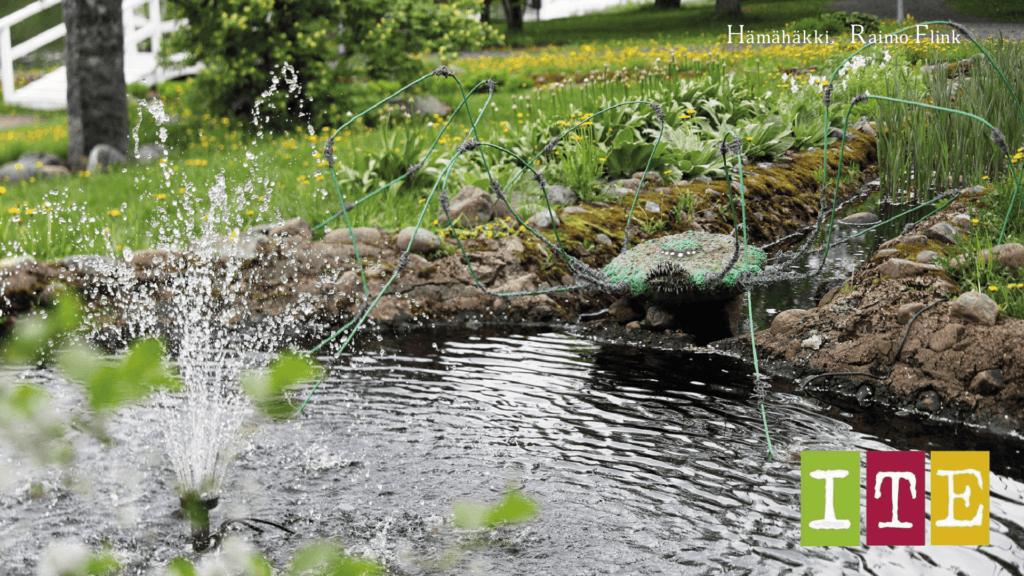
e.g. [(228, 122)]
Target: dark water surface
[(643, 462)]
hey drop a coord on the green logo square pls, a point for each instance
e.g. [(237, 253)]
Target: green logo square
[(830, 498)]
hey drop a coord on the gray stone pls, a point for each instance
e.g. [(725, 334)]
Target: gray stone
[(864, 394), (703, 179), (574, 210), (897, 268), (633, 326), (946, 337), (263, 229), (942, 232), (103, 157), (787, 321), (886, 252), (926, 256), (14, 172), (97, 98), (624, 311), (35, 158), (470, 207), (619, 191), (424, 242), (363, 235), (987, 383), (603, 239), (1010, 257), (861, 218), (244, 248), (150, 153), (561, 195), (652, 207), (296, 228), (659, 319), (906, 312), (975, 189), (837, 133), (89, 265), (975, 307), (48, 171), (962, 221), (863, 125), (542, 220), (652, 176), (928, 401)]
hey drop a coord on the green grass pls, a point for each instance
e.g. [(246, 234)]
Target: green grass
[(688, 24), (995, 10)]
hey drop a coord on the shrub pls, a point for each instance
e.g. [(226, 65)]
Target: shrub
[(246, 44)]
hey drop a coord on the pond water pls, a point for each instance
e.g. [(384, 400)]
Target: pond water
[(642, 462)]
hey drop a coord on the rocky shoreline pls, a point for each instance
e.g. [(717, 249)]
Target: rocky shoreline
[(959, 363)]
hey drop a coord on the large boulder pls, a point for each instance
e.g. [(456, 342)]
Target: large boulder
[(470, 207), (975, 307), (102, 157), (424, 241), (561, 195)]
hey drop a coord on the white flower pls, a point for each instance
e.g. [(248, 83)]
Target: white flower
[(887, 56)]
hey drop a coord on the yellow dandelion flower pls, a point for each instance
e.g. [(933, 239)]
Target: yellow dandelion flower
[(993, 288), (161, 196), (984, 177), (113, 213), (249, 212), (422, 200), (13, 210), (974, 220)]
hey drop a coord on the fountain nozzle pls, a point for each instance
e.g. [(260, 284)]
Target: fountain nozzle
[(197, 510)]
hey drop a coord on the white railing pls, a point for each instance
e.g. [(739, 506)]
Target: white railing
[(137, 29)]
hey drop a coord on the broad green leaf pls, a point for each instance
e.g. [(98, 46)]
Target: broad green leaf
[(180, 567), (512, 509), (327, 559), (267, 387)]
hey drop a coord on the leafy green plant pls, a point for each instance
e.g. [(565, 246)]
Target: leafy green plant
[(268, 387), (513, 508), (581, 162)]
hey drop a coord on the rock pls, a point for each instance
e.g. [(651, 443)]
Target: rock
[(93, 266), (1011, 257), (48, 170), (603, 239), (501, 211), (421, 104), (150, 153), (860, 218), (652, 207), (470, 207), (946, 337), (263, 229), (942, 232), (914, 240), (837, 133), (829, 296), (944, 287), (703, 179), (567, 280), (363, 235), (244, 248), (543, 220), (987, 383), (14, 172), (863, 125), (296, 228), (34, 159), (525, 283), (574, 210), (864, 394), (155, 258), (787, 320), (975, 189), (885, 253), (897, 268), (652, 176), (632, 326), (926, 256), (561, 195), (619, 191), (962, 221), (659, 319), (632, 184), (424, 242), (814, 342), (102, 157), (907, 311), (928, 401), (624, 311), (975, 307)]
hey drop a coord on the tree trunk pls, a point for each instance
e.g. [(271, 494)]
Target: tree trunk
[(667, 3), (97, 99), (727, 7), (485, 12), (514, 13)]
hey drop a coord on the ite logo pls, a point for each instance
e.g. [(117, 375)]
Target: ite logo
[(830, 498)]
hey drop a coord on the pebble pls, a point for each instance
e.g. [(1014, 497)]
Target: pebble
[(988, 383)]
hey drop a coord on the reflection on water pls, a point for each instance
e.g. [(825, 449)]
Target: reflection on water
[(644, 462)]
